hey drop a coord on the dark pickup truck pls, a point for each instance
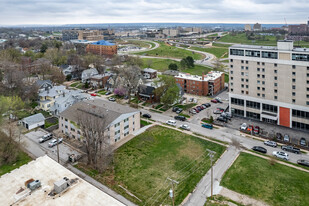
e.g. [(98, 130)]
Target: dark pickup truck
[(290, 149)]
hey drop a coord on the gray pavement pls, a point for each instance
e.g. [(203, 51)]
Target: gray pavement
[(203, 188)]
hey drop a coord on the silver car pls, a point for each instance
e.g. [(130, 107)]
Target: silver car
[(270, 143), (281, 155), (185, 127)]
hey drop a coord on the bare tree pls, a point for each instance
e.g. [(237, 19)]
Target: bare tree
[(94, 129), (129, 78)]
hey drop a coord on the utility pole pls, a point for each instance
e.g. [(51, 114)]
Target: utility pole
[(172, 191), (211, 154)]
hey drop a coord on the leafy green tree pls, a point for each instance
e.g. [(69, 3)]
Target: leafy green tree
[(170, 96), (43, 48), (190, 61), (167, 90), (172, 66), (68, 77), (183, 63)]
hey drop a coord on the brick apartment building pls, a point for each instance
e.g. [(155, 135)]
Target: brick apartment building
[(102, 47), (204, 85)]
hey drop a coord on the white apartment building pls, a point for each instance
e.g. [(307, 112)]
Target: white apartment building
[(270, 84)]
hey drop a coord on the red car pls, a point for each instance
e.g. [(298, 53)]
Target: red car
[(93, 94), (214, 101), (196, 110)]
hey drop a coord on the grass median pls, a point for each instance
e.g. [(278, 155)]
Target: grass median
[(274, 184)]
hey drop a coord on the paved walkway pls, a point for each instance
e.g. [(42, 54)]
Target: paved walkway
[(203, 188)]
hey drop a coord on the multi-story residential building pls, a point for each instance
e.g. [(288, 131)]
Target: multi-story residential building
[(119, 121), (257, 27), (301, 29), (68, 35), (248, 27), (204, 85), (270, 84), (102, 48), (96, 35)]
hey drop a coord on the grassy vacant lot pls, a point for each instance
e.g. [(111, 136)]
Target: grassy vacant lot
[(219, 52), (221, 45), (22, 159), (162, 65), (143, 164), (170, 52), (139, 43), (274, 184)]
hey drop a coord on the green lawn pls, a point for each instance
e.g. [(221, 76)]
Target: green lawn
[(22, 159), (274, 184), (219, 52), (140, 43), (143, 164), (170, 52), (102, 92), (75, 84), (162, 65), (221, 45)]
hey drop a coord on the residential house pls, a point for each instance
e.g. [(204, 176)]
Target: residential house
[(34, 121), (44, 85), (69, 70), (118, 121), (88, 73), (147, 93), (47, 97), (99, 81), (149, 73)]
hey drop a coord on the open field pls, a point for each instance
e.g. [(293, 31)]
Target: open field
[(140, 43), (219, 52), (162, 65), (22, 159), (170, 52), (143, 164), (221, 45), (274, 184)]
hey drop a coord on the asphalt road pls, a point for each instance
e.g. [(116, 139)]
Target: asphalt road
[(225, 134)]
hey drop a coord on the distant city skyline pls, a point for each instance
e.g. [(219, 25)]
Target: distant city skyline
[(59, 12)]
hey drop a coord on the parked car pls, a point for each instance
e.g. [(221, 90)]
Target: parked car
[(256, 130), (208, 126), (259, 149), (243, 126), (218, 99), (171, 122), (222, 119), (199, 108), (192, 111), (108, 93), (93, 94), (214, 101), (146, 115), (303, 142), (270, 143), (181, 118), (179, 110), (46, 137), (203, 106), (225, 115), (250, 128), (207, 105), (286, 138), (217, 111), (54, 142), (175, 109), (185, 127), (279, 135), (303, 162), (112, 99), (281, 155), (197, 111), (290, 149)]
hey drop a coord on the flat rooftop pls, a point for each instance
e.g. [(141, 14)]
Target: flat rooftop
[(243, 46), (48, 171), (208, 77)]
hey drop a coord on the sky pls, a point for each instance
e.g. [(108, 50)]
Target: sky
[(59, 12)]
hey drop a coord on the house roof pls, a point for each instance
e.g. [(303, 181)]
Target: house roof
[(103, 43), (34, 119), (53, 92), (99, 109), (92, 71), (39, 82), (149, 70), (145, 89)]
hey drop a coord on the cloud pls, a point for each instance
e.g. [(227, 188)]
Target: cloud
[(14, 12)]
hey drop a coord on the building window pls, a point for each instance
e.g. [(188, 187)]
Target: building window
[(247, 80), (242, 67), (258, 69), (247, 68), (270, 108), (247, 86), (237, 52), (293, 100), (263, 63), (293, 87), (258, 81), (275, 65), (232, 78), (251, 53), (231, 66), (237, 101), (276, 71), (276, 97), (258, 94), (275, 84), (263, 82), (231, 72), (293, 66), (231, 60), (242, 79), (276, 78), (258, 88), (242, 61), (242, 86), (269, 55), (293, 93), (263, 89), (242, 91), (300, 57), (242, 73), (263, 76), (263, 95), (293, 80), (247, 62), (251, 104), (232, 89), (258, 76), (263, 70), (293, 73), (258, 63), (276, 91)]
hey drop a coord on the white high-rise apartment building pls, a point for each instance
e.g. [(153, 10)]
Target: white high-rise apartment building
[(270, 84)]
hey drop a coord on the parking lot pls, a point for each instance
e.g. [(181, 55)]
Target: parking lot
[(64, 150)]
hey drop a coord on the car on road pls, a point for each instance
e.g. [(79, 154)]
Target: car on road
[(259, 149), (54, 142), (181, 118), (208, 126), (146, 115), (303, 162), (214, 101), (108, 93), (290, 149), (270, 143), (281, 155), (185, 127), (46, 137), (112, 99), (171, 122), (243, 126)]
